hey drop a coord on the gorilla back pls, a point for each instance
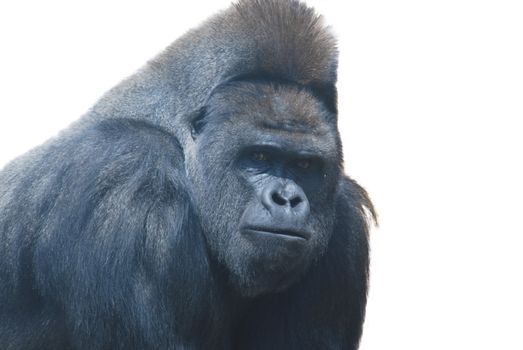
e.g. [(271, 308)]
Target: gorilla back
[(200, 204)]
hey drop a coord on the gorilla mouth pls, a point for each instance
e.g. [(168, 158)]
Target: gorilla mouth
[(283, 232)]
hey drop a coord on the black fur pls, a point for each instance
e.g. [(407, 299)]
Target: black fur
[(120, 233)]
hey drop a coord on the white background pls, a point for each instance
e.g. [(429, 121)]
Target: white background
[(431, 104)]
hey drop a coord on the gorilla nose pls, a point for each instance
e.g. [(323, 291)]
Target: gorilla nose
[(287, 197)]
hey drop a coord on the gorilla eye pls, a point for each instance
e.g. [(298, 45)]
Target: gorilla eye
[(260, 156), (304, 163)]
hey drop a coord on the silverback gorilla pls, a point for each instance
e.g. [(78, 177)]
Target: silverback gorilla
[(200, 204)]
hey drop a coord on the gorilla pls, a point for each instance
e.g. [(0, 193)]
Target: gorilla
[(199, 204)]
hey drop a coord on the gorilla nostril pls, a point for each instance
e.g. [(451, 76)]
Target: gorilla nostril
[(278, 199), (295, 201)]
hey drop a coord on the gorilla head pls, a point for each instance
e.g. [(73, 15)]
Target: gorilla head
[(200, 204), (265, 163)]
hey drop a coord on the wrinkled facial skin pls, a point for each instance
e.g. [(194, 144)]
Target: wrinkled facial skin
[(265, 166)]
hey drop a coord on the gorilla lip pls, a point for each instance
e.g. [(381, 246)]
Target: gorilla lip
[(289, 233)]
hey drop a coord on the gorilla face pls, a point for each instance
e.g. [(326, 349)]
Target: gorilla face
[(264, 165)]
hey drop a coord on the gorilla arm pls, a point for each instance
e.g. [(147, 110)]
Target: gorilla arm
[(102, 206)]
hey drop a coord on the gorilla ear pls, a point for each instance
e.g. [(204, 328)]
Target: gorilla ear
[(198, 122)]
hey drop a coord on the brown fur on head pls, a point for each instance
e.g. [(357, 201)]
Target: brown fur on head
[(281, 40)]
